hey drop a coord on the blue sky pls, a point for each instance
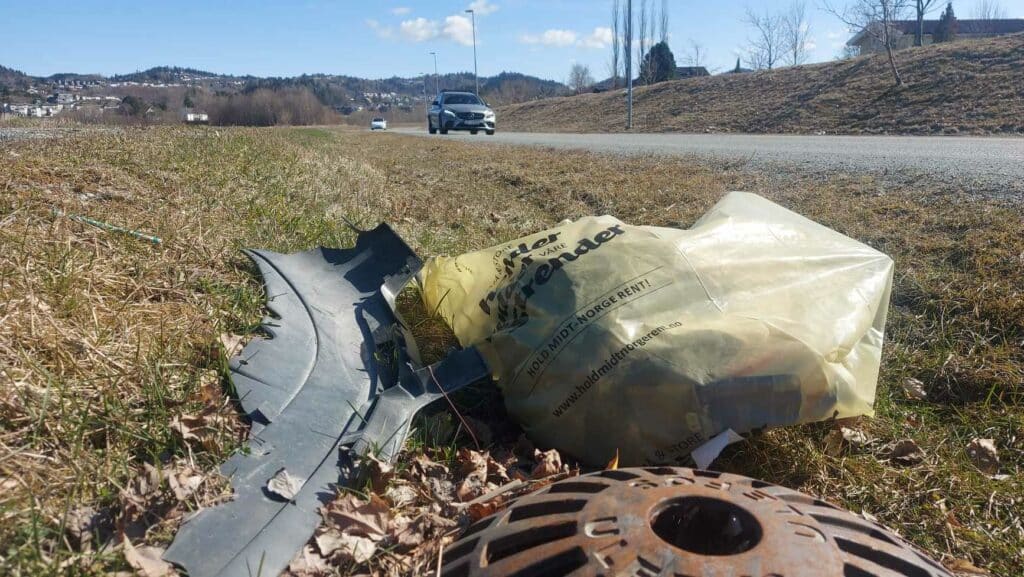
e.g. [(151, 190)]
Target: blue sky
[(368, 39)]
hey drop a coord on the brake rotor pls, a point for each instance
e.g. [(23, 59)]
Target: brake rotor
[(679, 522)]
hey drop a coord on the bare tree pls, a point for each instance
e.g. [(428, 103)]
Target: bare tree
[(921, 8), (642, 22), (663, 22), (766, 48), (580, 78), (875, 18), (616, 43), (989, 10), (696, 54), (796, 30)]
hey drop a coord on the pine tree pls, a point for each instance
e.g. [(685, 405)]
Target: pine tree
[(659, 64), (946, 29)]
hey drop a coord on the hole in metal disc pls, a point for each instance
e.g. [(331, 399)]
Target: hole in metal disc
[(706, 526)]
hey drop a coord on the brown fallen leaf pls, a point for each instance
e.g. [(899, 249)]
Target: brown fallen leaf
[(400, 495), (614, 463), (348, 513), (202, 430), (232, 344), (378, 472), (347, 546), (963, 567), (147, 561), (548, 463), (477, 511), (984, 455), (473, 465), (285, 485), (353, 527), (183, 481), (914, 389), (842, 437), (906, 452), (309, 563)]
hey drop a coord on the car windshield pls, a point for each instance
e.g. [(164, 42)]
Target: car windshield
[(461, 99), (378, 119)]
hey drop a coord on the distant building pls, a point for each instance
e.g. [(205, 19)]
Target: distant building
[(905, 31), (691, 71), (63, 98)]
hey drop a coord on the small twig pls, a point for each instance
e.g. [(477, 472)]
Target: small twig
[(457, 413), (107, 226)]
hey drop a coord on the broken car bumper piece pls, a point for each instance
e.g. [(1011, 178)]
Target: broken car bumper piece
[(337, 376)]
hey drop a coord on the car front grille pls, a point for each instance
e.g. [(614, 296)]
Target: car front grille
[(470, 115)]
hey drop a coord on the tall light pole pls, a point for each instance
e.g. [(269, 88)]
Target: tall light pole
[(629, 64), (437, 88), (476, 79)]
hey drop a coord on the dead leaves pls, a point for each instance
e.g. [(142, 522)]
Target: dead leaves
[(232, 344), (480, 474), (285, 485), (147, 561), (411, 511), (914, 389), (906, 452), (156, 497), (843, 437), (963, 567), (207, 430), (353, 528), (548, 463), (985, 457)]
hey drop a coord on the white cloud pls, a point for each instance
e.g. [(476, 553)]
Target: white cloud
[(483, 7), (599, 38), (419, 29), (381, 30), (810, 45), (458, 29), (551, 37), (401, 10)]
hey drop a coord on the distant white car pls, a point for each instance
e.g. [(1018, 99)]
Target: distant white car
[(378, 124)]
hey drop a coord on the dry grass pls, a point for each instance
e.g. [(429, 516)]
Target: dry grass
[(969, 87), (105, 339)]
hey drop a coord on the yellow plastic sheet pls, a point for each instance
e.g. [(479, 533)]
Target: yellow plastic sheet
[(606, 336)]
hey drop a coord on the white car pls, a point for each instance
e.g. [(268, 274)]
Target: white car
[(378, 124)]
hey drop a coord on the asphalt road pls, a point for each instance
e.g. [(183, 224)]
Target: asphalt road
[(988, 163)]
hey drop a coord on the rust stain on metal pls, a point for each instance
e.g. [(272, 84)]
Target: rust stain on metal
[(679, 522)]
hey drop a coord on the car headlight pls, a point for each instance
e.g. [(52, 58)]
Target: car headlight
[(449, 112), (489, 115)]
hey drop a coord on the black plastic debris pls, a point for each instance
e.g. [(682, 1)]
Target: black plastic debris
[(338, 376)]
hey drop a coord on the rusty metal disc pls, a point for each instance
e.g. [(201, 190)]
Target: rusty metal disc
[(679, 522)]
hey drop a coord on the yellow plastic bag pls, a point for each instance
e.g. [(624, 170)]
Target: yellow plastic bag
[(606, 336)]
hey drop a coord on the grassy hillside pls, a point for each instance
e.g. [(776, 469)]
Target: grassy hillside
[(108, 344), (974, 87)]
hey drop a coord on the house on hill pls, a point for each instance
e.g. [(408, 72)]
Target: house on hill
[(867, 43)]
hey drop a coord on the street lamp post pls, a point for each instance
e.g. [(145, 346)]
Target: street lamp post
[(629, 64), (437, 88), (476, 78)]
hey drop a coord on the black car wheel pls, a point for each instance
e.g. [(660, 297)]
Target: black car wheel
[(430, 127), (490, 133)]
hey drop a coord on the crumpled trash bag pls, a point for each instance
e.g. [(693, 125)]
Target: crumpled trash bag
[(649, 341)]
